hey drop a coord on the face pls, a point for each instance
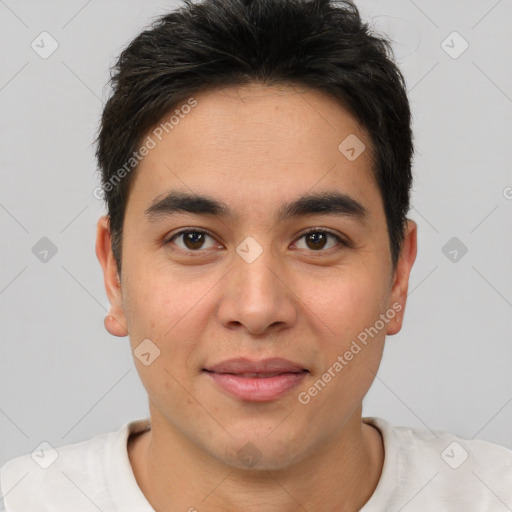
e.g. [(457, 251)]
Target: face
[(285, 256)]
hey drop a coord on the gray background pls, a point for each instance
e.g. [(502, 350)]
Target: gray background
[(63, 378)]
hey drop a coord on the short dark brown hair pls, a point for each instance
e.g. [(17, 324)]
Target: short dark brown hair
[(320, 44)]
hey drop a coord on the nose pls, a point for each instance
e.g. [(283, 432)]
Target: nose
[(257, 296)]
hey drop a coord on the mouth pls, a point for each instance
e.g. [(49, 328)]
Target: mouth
[(256, 381)]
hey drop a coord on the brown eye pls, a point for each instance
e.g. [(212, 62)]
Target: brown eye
[(191, 240), (318, 240)]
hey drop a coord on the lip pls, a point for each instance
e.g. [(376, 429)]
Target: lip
[(256, 381)]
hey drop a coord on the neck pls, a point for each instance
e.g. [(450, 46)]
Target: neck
[(340, 476)]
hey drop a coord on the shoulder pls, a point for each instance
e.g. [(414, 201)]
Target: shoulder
[(444, 468), (435, 446), (64, 476)]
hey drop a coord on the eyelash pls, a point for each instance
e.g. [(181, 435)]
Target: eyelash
[(312, 230)]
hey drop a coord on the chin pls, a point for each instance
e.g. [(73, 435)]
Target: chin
[(263, 452)]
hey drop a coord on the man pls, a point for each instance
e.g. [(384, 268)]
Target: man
[(256, 165)]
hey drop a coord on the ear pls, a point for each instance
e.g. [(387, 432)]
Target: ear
[(400, 285), (115, 321)]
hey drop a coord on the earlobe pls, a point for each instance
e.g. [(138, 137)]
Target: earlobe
[(114, 327), (115, 321), (401, 278)]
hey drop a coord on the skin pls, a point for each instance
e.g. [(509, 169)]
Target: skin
[(256, 147)]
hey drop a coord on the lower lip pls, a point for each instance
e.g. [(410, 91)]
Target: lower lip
[(257, 389)]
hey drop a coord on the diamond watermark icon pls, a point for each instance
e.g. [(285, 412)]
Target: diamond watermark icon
[(454, 45), (249, 250), (44, 250), (454, 455), (44, 45), (249, 455), (146, 352), (44, 455), (454, 249), (351, 147)]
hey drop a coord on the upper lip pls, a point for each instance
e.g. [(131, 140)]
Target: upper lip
[(245, 365)]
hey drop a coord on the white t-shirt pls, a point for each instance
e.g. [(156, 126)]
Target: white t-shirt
[(423, 471)]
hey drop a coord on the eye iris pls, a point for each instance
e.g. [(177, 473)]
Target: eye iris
[(316, 238), (195, 238)]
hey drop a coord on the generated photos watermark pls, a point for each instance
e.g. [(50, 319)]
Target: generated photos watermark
[(150, 142), (305, 397)]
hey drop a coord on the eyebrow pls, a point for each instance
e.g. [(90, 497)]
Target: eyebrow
[(326, 203)]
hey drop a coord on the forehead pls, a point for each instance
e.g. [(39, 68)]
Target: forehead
[(255, 144)]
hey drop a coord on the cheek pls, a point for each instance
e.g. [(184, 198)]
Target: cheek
[(351, 358), (153, 298), (159, 312), (352, 307), (346, 305), (168, 309)]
